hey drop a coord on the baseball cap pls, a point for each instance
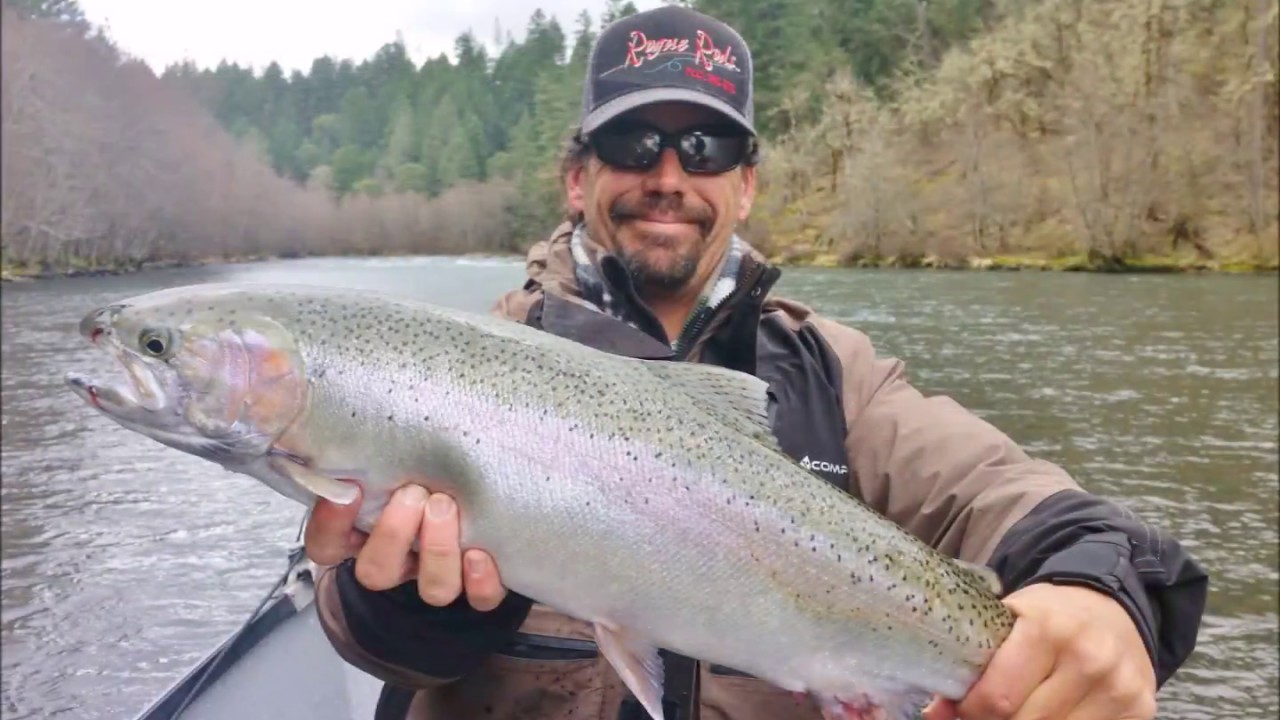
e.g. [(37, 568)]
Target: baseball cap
[(663, 55)]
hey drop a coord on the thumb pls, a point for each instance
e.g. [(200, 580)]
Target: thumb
[(329, 536), (940, 709)]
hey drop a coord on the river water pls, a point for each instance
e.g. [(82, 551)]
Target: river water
[(124, 561)]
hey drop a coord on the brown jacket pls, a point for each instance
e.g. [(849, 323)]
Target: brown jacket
[(924, 462)]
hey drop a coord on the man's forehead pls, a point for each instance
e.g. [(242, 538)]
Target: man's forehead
[(673, 115)]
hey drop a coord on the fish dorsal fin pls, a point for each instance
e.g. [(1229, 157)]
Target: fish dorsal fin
[(499, 326), (638, 664), (739, 400), (985, 576)]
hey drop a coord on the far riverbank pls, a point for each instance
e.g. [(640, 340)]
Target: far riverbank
[(1070, 263)]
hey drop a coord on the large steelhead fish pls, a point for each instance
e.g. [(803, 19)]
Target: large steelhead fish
[(649, 498)]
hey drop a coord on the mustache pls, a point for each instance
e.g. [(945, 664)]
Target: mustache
[(623, 209)]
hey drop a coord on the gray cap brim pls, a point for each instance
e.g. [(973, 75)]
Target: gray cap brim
[(649, 96)]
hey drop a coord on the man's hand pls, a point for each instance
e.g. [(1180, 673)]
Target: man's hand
[(1073, 654), (384, 558)]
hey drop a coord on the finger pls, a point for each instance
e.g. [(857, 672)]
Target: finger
[(327, 537), (356, 541), (1024, 660), (483, 584), (940, 709), (440, 557), (410, 569), (1056, 697), (381, 561)]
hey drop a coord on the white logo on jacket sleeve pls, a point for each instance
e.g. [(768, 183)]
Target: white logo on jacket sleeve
[(824, 466)]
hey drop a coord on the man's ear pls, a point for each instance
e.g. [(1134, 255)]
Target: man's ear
[(748, 191), (575, 189)]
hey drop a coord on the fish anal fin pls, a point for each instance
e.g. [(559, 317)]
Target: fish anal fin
[(863, 706), (638, 664), (330, 489)]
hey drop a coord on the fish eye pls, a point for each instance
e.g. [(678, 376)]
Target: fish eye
[(154, 342)]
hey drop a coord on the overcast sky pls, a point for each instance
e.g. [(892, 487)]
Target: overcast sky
[(295, 32)]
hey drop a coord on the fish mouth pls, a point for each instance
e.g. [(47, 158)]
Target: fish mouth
[(141, 402), (142, 391), (93, 392)]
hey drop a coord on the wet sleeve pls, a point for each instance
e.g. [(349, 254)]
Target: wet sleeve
[(969, 490), (396, 637), (1080, 539)]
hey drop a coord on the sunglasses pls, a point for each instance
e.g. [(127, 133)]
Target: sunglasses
[(702, 150)]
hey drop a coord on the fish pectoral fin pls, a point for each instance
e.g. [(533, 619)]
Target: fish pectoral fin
[(330, 489), (637, 663), (985, 575)]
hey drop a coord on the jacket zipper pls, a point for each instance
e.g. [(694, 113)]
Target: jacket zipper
[(695, 325)]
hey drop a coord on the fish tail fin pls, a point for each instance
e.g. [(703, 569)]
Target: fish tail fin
[(984, 575), (864, 706)]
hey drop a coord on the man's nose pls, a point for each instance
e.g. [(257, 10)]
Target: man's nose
[(667, 176)]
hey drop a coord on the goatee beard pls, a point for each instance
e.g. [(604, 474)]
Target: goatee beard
[(662, 281), (665, 281)]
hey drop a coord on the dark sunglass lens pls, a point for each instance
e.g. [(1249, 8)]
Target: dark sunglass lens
[(628, 149), (702, 152)]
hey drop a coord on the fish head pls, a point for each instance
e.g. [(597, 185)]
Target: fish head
[(205, 374)]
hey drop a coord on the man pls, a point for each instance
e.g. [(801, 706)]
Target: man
[(661, 172)]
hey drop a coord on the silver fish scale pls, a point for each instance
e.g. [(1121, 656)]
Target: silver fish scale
[(604, 493)]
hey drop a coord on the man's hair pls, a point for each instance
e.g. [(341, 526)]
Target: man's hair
[(576, 151)]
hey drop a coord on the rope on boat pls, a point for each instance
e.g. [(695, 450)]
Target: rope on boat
[(280, 583)]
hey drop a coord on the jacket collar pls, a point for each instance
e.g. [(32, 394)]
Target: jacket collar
[(568, 263)]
